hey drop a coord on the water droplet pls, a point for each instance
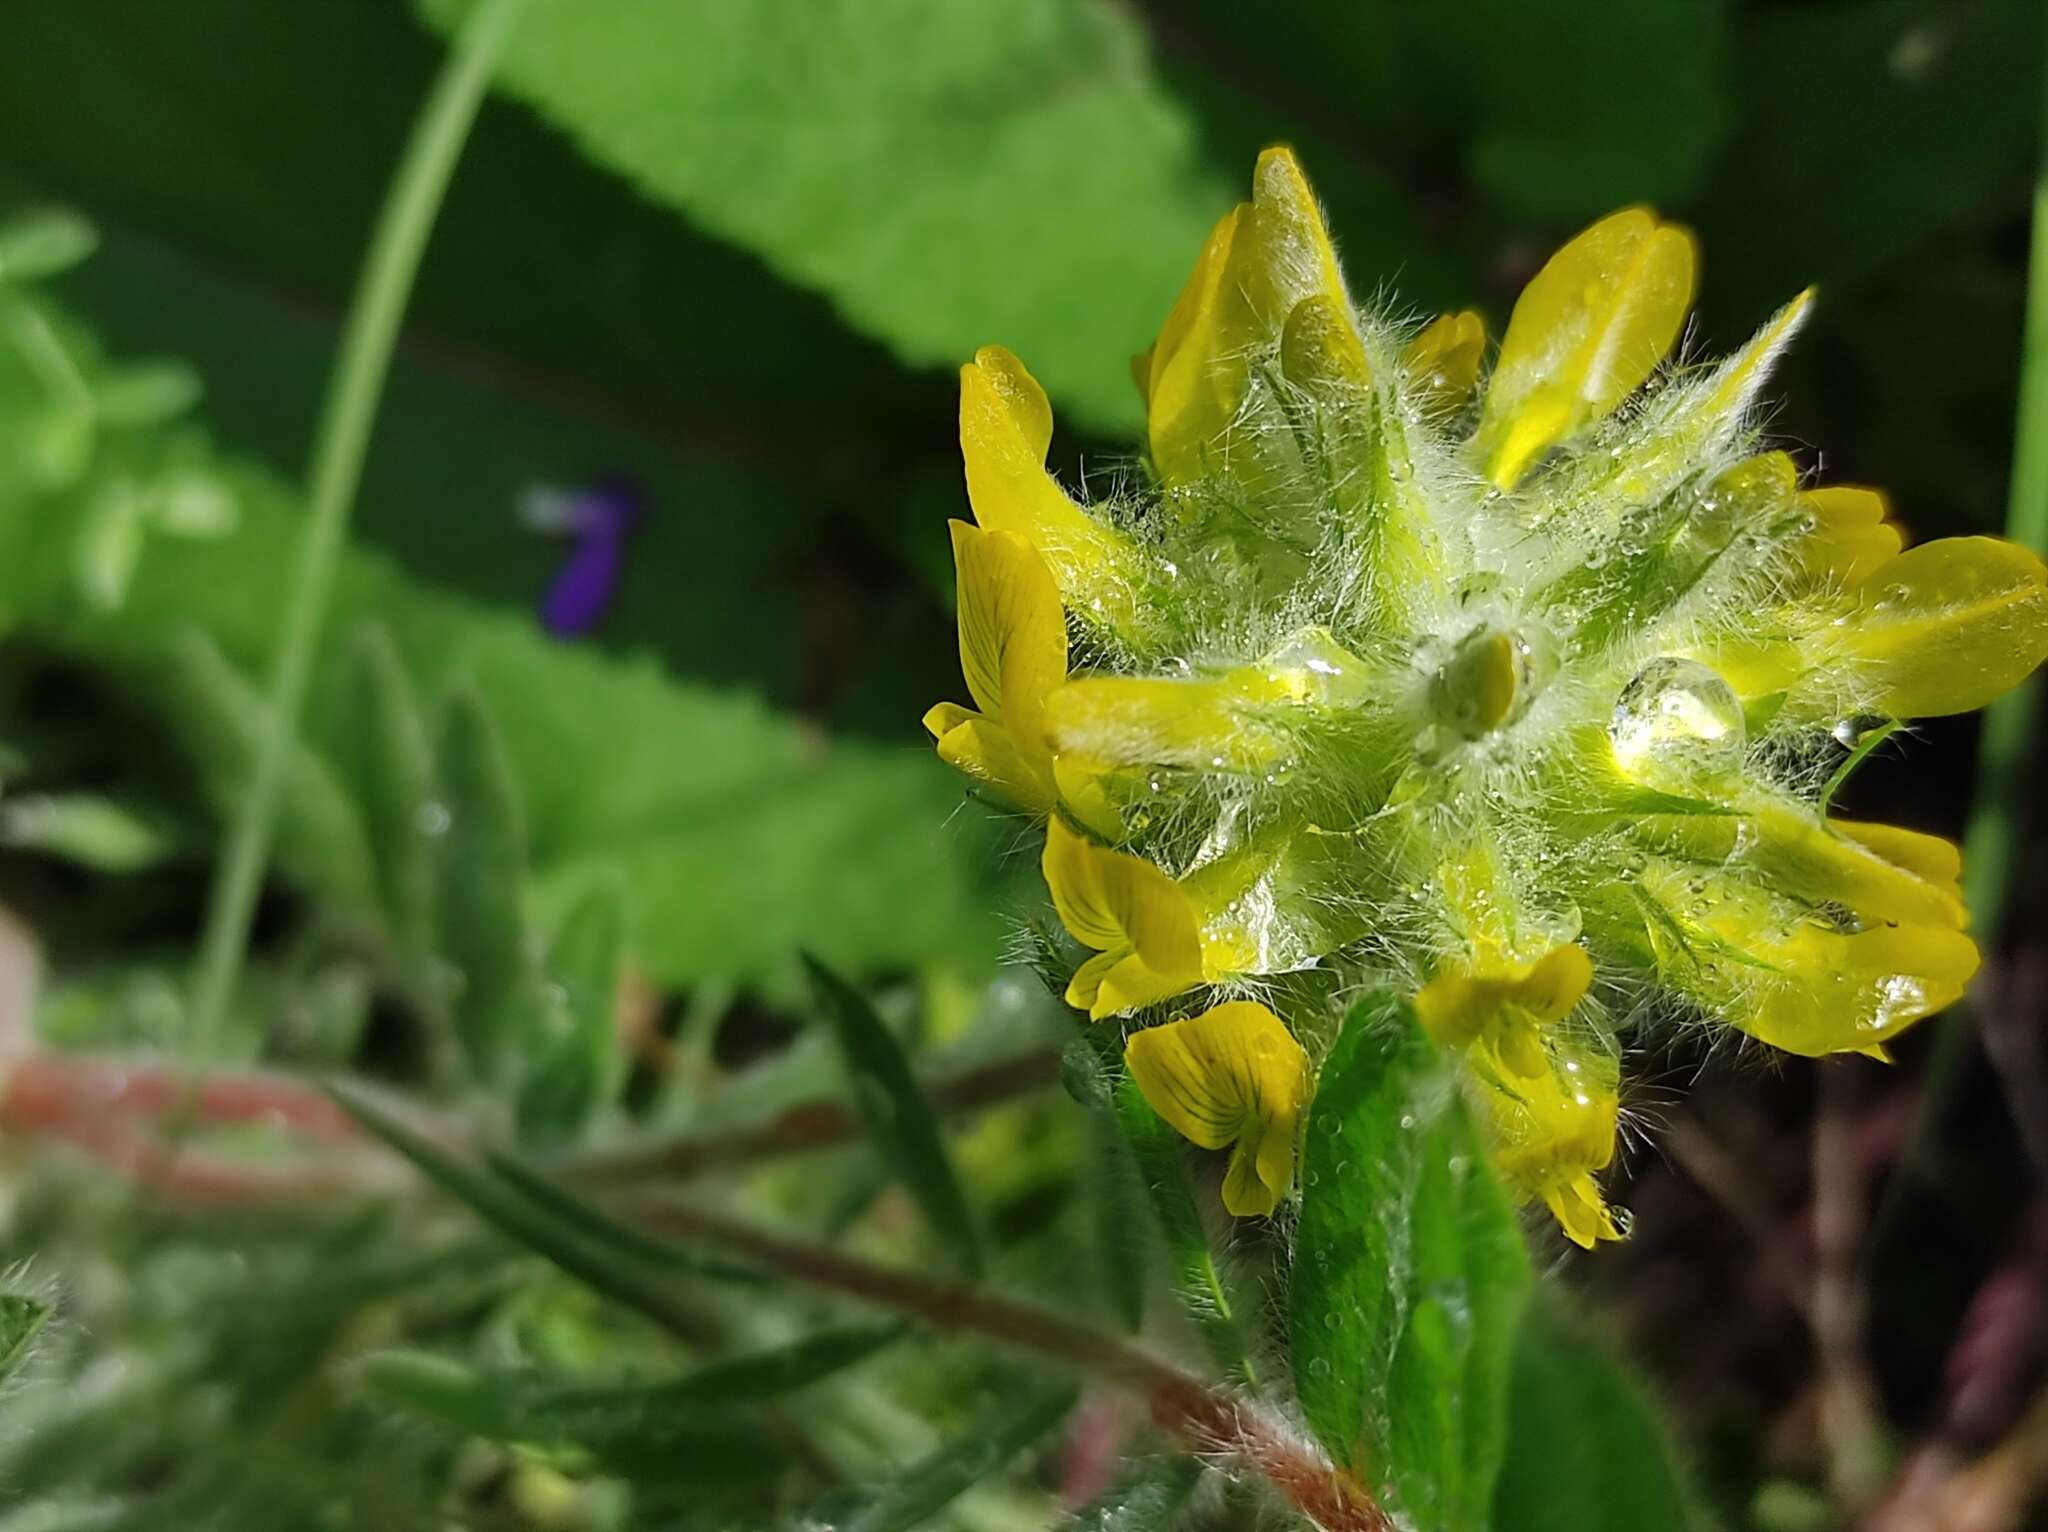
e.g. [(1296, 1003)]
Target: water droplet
[(431, 818), (1676, 725)]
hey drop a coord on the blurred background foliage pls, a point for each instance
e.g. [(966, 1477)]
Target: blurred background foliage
[(731, 252)]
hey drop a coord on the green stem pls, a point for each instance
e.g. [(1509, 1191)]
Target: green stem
[(2010, 723), (346, 417)]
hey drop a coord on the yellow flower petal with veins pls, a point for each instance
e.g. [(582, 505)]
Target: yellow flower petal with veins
[(1005, 429), (1148, 943), (1506, 1009), (1231, 1077), (1013, 651), (1587, 331), (1553, 1131)]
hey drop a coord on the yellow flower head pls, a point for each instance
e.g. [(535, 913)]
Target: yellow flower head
[(1399, 665), (1232, 1077)]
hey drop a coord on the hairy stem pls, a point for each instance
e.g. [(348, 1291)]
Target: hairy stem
[(338, 449), (1205, 1418), (811, 1124)]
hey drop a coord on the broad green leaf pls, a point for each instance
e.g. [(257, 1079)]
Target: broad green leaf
[(1147, 1499), (1163, 1169), (574, 1065), (896, 1114), (85, 828), (479, 880), (736, 836), (1409, 1276), (21, 1319), (567, 1243), (927, 1487), (389, 763), (829, 137), (224, 720), (1586, 1449)]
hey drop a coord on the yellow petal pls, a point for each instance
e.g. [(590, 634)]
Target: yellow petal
[(1259, 263), (1794, 851), (1938, 861), (988, 753), (1552, 1130), (1443, 361), (1945, 627), (1234, 1074), (1320, 348), (1852, 537), (1005, 428), (1586, 332), (1581, 1212), (1013, 636), (1796, 979), (1122, 904), (942, 718), (1238, 721), (1456, 1007)]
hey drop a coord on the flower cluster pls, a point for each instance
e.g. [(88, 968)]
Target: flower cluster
[(1520, 693)]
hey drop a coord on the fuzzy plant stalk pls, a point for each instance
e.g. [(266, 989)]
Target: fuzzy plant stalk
[(1519, 689)]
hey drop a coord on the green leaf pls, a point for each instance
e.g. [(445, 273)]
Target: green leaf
[(479, 877), (21, 1320), (927, 1487), (1586, 1449), (43, 243), (1146, 1499), (833, 137), (568, 1243), (622, 1426), (224, 719), (1117, 1194), (574, 1066), (735, 835), (1409, 1276), (1163, 1170), (389, 764), (623, 1240), (899, 1120), (85, 828)]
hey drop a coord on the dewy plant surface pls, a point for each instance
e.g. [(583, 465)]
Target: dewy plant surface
[(1523, 694)]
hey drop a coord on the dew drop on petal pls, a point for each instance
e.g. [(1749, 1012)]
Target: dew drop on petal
[(1676, 725)]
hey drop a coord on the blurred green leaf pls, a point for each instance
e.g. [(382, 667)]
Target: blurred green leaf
[(896, 1114), (737, 834), (1409, 1275), (1119, 1201), (479, 880), (927, 1487), (223, 719), (948, 171), (569, 1244), (21, 1319), (574, 1065), (1147, 1499), (389, 763), (623, 1239), (1586, 1449), (44, 242), (638, 1426), (1163, 1170), (85, 828)]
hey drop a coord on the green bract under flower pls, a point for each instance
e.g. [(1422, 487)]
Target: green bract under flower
[(1516, 695)]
